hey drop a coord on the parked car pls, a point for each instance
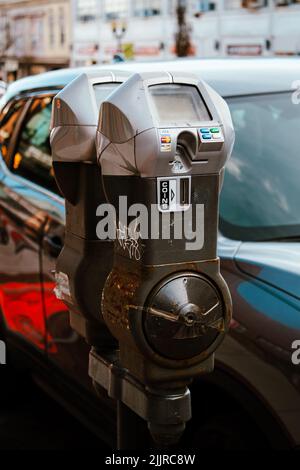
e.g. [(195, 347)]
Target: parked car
[(253, 397), (3, 87)]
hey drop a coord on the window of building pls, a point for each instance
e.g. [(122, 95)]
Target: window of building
[(285, 3), (36, 25), (233, 4), (61, 25), (171, 7), (87, 10), (251, 4), (146, 7), (18, 33), (201, 6), (8, 120), (51, 28), (32, 159), (115, 9)]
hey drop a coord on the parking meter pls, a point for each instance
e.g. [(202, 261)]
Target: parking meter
[(78, 277), (163, 140)]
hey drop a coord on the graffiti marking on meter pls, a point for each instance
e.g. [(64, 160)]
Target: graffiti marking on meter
[(167, 194)]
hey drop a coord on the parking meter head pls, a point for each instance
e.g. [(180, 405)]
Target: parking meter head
[(163, 140), (164, 116), (74, 121)]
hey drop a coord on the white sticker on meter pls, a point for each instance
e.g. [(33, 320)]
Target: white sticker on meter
[(173, 193)]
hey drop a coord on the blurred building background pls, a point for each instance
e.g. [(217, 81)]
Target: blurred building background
[(35, 35), (38, 35), (217, 28)]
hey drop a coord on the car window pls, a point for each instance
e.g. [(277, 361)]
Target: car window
[(8, 119), (260, 195), (32, 159)]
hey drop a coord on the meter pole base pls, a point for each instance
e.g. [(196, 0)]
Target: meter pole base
[(165, 411)]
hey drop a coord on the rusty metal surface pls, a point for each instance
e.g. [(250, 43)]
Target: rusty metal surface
[(118, 294)]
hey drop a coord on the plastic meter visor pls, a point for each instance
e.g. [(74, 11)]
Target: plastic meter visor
[(74, 120), (75, 115)]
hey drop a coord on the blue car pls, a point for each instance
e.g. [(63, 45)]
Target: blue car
[(252, 400)]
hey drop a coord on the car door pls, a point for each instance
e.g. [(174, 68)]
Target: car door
[(21, 227), (66, 349), (32, 162)]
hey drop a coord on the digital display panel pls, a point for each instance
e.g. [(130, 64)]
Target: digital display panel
[(179, 105)]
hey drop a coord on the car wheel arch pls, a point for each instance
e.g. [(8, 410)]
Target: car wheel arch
[(256, 400)]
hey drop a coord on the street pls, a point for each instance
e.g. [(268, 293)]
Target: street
[(30, 420)]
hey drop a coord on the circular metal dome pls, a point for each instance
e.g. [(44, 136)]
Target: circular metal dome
[(184, 317)]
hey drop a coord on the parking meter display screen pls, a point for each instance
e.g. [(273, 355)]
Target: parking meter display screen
[(179, 105), (102, 90)]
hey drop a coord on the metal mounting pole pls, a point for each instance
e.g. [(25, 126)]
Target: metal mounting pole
[(132, 431)]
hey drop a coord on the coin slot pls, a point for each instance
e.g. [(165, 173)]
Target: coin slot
[(184, 191)]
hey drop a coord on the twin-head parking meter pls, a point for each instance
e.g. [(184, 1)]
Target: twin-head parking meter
[(141, 174)]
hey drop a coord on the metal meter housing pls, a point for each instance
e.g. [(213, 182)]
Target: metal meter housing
[(163, 140), (73, 132)]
